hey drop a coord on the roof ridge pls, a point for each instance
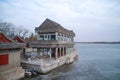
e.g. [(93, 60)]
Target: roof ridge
[(53, 22), (59, 26)]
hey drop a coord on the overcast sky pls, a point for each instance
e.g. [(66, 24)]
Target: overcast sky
[(91, 20)]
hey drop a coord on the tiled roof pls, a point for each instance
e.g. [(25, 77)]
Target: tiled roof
[(51, 26), (18, 39), (7, 43), (4, 38)]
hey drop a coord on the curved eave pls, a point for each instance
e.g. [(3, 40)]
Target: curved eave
[(37, 30)]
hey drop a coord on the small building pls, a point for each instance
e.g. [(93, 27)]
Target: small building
[(10, 58), (55, 47)]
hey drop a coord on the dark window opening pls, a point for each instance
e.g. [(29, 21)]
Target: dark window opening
[(41, 37), (53, 37)]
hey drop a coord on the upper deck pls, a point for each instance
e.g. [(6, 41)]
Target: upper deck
[(52, 34)]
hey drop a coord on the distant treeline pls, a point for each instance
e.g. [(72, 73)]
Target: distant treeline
[(99, 42)]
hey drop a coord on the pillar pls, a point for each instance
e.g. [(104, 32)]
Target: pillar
[(50, 53), (56, 53), (63, 51), (60, 51), (56, 35), (50, 36)]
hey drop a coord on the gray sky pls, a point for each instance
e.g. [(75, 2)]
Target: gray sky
[(91, 20)]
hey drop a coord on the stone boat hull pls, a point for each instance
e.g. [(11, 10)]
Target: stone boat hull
[(46, 65)]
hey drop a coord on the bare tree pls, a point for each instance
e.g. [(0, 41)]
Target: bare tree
[(25, 32), (22, 32), (11, 30), (7, 28), (19, 30)]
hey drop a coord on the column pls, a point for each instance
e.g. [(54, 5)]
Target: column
[(63, 51), (60, 51), (56, 53), (50, 53), (50, 36), (43, 37), (56, 35)]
